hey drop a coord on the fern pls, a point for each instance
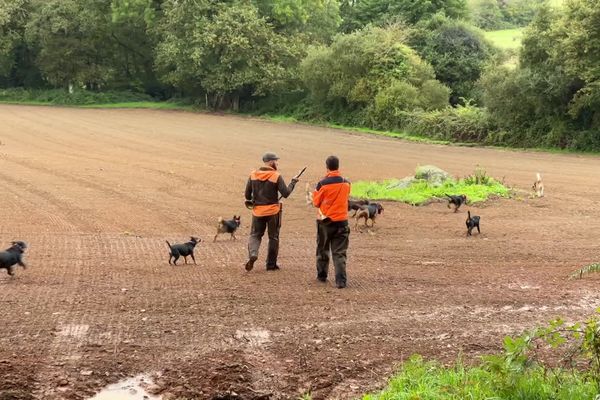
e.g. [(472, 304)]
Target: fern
[(588, 269)]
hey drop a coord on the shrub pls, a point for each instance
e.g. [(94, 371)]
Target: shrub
[(78, 97), (458, 124)]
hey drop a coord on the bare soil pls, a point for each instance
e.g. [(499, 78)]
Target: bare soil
[(95, 194)]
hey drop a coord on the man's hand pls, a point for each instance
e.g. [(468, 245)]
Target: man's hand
[(295, 180)]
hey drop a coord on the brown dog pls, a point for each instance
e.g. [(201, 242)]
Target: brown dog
[(368, 212), (309, 195), (538, 186)]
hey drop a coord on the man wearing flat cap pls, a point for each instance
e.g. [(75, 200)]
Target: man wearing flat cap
[(262, 195)]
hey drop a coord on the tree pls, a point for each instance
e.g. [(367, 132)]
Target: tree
[(131, 32), (457, 51), (226, 51), (317, 20), (486, 14), (71, 38), (13, 17), (578, 53), (372, 73), (359, 13), (553, 96)]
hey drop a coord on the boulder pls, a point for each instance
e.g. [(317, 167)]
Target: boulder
[(432, 174)]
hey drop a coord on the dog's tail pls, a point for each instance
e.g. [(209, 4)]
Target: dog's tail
[(168, 244), (538, 176), (468, 215), (220, 221), (447, 195)]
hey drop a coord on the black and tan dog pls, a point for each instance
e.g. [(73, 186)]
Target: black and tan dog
[(228, 226), (183, 250), (472, 222), (13, 256), (355, 205), (456, 200), (368, 212)]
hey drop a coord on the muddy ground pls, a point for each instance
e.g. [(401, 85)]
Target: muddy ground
[(95, 193)]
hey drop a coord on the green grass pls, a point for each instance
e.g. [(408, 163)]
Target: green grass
[(137, 104), (420, 139), (145, 104), (397, 135), (506, 39), (88, 99), (430, 381), (421, 192)]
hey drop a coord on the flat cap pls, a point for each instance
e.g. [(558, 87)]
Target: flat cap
[(269, 157)]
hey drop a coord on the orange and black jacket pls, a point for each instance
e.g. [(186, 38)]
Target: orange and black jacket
[(263, 187), (331, 197)]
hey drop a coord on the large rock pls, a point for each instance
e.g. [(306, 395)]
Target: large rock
[(401, 183), (432, 174)]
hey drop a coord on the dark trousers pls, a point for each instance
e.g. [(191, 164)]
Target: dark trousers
[(332, 239), (259, 225)]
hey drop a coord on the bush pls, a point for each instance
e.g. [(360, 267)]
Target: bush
[(63, 97), (501, 14), (457, 51), (370, 76), (459, 124)]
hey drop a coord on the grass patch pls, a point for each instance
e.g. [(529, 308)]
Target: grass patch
[(422, 191), (417, 138), (588, 269), (430, 381), (526, 369), (506, 39), (146, 104), (89, 99), (398, 135)]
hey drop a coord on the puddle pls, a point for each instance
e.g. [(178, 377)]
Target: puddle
[(128, 389)]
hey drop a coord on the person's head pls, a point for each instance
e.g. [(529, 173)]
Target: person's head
[(271, 160), (332, 163)]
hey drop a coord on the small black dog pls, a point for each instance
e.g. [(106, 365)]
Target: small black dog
[(228, 226), (184, 249), (13, 255), (355, 205), (457, 201), (472, 222)]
